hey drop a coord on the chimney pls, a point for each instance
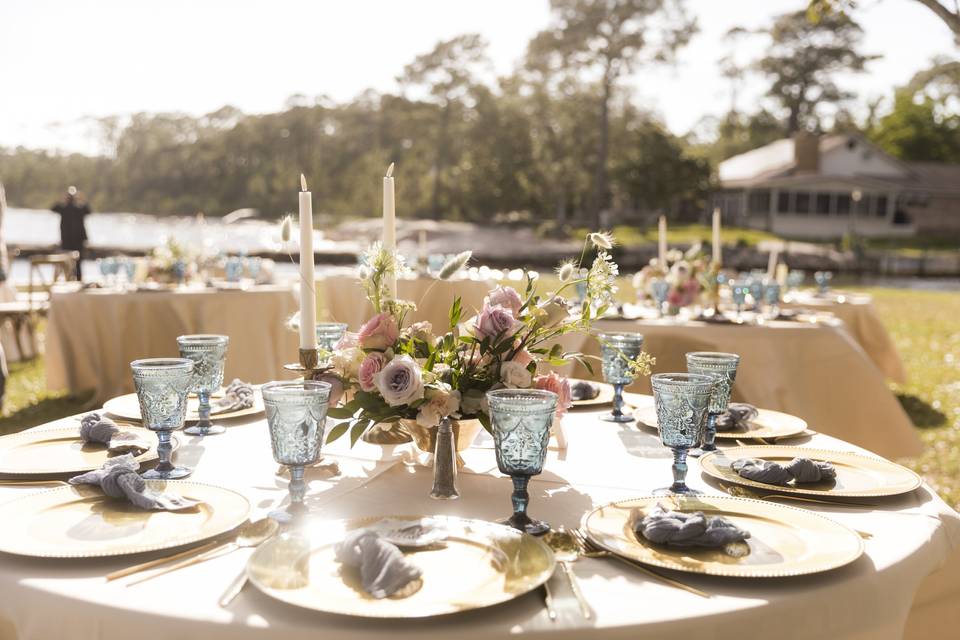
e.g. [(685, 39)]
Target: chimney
[(806, 152)]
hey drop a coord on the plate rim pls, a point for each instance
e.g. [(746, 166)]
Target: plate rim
[(148, 456), (547, 573), (113, 554), (240, 413), (739, 435), (869, 493), (861, 546)]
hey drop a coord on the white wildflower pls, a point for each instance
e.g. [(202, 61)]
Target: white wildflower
[(602, 240)]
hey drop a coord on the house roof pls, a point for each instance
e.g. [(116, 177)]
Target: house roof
[(768, 161), (936, 176)]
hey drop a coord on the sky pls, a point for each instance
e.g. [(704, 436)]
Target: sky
[(65, 62)]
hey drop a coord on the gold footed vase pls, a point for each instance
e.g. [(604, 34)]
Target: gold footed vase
[(425, 438)]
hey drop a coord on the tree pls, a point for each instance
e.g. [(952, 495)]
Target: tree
[(915, 131), (950, 16), (802, 62), (607, 39), (448, 74)]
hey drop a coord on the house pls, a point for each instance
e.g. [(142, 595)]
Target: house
[(810, 186)]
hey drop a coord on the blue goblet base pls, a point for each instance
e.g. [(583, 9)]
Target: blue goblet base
[(204, 430), (674, 490), (523, 522), (613, 417), (173, 473), (700, 451)]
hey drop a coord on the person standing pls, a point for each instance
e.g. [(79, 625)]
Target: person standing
[(73, 232)]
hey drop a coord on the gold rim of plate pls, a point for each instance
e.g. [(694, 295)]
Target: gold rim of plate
[(128, 407), (482, 564), (784, 541), (767, 424), (81, 522), (605, 396), (59, 450), (858, 476)]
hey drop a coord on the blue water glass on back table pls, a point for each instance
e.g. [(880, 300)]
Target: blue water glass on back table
[(682, 401), (617, 350), (208, 353), (521, 421), (296, 416), (328, 335), (723, 368), (162, 386)]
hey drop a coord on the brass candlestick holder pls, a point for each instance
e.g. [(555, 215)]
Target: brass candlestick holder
[(310, 368)]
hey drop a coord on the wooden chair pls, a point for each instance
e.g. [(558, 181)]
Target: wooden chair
[(64, 270)]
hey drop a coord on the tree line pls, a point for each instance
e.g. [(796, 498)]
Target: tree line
[(558, 141)]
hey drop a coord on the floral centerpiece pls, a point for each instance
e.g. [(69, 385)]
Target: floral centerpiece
[(171, 262), (415, 375), (690, 276)]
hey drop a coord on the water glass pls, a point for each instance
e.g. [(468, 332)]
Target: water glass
[(757, 287), (328, 335), (208, 353), (233, 269), (162, 386), (738, 291), (682, 401), (795, 279), (617, 350), (823, 278), (723, 368), (660, 289), (521, 421), (771, 296), (296, 415)]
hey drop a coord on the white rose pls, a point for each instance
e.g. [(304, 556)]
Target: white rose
[(440, 404), (400, 382), (515, 376), (347, 361)]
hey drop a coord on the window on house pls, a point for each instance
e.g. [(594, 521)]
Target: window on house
[(881, 210), (843, 204), (783, 202), (760, 201), (803, 203), (823, 204)]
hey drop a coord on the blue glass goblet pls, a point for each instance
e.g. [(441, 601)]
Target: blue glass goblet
[(738, 291), (296, 415), (795, 279), (682, 401), (617, 350), (162, 386), (723, 368), (823, 278), (328, 335), (521, 421), (757, 287), (660, 289), (771, 296), (208, 353)]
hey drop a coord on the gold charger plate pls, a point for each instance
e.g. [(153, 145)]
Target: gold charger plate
[(61, 451), (784, 541), (128, 407), (767, 424), (858, 476), (81, 522), (481, 564), (604, 397)]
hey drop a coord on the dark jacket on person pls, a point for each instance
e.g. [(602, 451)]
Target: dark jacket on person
[(73, 233)]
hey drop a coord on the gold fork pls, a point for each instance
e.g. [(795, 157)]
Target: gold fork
[(590, 550)]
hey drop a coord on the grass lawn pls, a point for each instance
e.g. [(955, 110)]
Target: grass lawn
[(925, 327)]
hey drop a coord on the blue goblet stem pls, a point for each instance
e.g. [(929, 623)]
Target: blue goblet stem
[(297, 487), (204, 410), (710, 435), (680, 471), (520, 499), (164, 451), (618, 401)]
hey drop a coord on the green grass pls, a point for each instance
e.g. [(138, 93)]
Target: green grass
[(631, 236), (925, 327)]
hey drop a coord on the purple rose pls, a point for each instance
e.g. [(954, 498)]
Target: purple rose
[(496, 322), (400, 381)]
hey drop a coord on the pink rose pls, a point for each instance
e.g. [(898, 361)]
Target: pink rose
[(496, 322), (380, 332), (560, 386), (336, 387), (506, 297), (369, 368)]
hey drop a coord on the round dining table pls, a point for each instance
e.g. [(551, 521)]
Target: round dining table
[(910, 537), (815, 370), (94, 334)]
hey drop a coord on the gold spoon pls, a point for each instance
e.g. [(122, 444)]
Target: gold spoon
[(566, 550), (250, 535)]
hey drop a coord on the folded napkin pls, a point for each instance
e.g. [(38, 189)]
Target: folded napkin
[(737, 416), (238, 395), (103, 430), (800, 470), (678, 529), (118, 478), (384, 570), (584, 390)]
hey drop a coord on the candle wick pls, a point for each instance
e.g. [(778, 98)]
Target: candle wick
[(389, 171), (303, 183)]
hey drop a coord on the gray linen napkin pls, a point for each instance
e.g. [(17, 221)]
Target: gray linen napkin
[(584, 390), (800, 470), (103, 430), (384, 570), (678, 529), (238, 395), (737, 416), (118, 478)]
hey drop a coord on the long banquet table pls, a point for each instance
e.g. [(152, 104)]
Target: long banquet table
[(813, 370), (93, 335), (913, 535)]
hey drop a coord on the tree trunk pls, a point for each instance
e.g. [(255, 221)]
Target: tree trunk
[(441, 162), (603, 151)]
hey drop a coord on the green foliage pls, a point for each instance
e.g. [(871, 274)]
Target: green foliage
[(917, 130)]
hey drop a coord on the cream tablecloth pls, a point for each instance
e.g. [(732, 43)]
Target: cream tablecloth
[(816, 371), (93, 335), (913, 536), (863, 322), (340, 299)]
